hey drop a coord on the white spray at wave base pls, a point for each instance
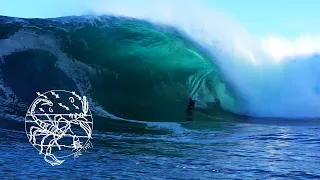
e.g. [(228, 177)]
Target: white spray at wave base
[(272, 77)]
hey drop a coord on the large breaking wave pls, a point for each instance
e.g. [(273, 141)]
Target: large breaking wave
[(143, 62), (130, 68)]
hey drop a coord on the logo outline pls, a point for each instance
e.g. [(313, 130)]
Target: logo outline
[(43, 128)]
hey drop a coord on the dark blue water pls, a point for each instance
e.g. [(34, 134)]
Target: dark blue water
[(219, 149)]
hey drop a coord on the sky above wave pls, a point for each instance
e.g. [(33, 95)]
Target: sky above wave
[(286, 17), (286, 26)]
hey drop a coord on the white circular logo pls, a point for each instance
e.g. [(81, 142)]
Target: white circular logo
[(59, 124)]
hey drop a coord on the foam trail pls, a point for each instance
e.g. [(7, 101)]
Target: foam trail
[(172, 126), (264, 86)]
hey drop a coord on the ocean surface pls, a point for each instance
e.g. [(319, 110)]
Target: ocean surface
[(253, 119), (218, 149)]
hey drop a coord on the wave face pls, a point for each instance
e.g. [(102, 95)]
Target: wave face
[(264, 81), (144, 61), (129, 68)]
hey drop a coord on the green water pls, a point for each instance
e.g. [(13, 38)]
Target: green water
[(133, 69)]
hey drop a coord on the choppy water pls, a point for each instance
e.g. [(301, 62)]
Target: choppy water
[(222, 149)]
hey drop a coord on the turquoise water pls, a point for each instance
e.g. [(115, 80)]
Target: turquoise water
[(129, 68)]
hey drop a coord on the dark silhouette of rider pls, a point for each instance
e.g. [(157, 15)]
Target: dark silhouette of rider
[(190, 109)]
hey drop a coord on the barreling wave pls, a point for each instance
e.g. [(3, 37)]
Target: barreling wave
[(134, 64), (129, 68)]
